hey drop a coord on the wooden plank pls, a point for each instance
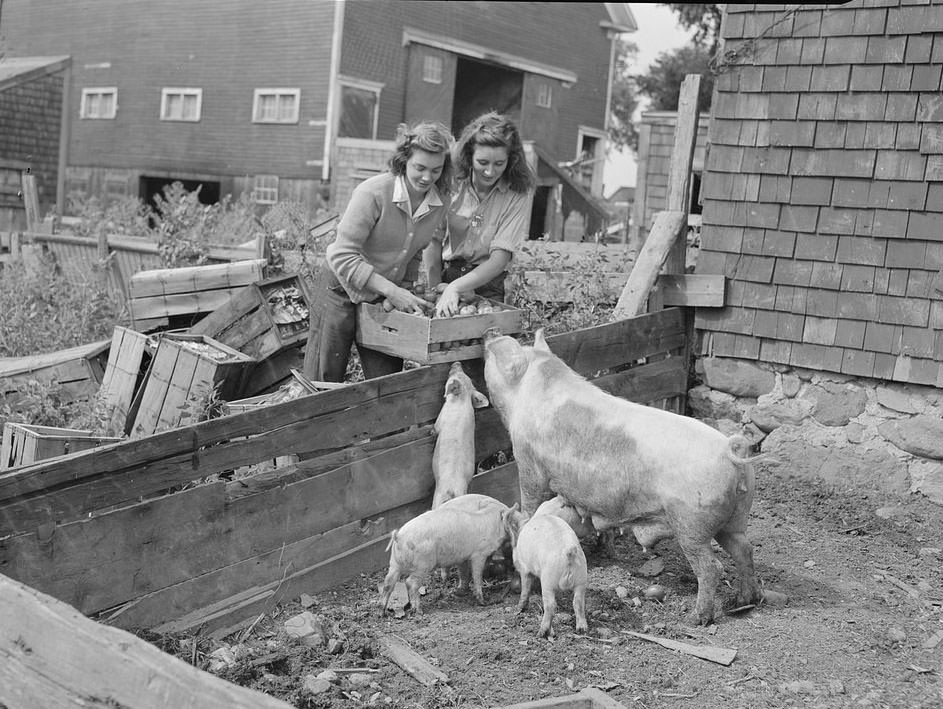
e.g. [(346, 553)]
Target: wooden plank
[(31, 202), (619, 342), (100, 562), (648, 383), (701, 291), (588, 698), (157, 306), (50, 655), (412, 662), (10, 366), (196, 595), (330, 419), (168, 281), (666, 230), (685, 140), (720, 655)]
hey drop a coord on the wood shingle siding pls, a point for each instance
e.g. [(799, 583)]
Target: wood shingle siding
[(822, 199)]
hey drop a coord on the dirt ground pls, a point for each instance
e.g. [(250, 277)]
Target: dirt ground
[(863, 626)]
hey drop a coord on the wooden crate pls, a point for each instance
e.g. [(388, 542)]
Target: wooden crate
[(432, 340), (128, 359), (24, 443), (77, 370), (183, 373), (262, 318), (156, 296)]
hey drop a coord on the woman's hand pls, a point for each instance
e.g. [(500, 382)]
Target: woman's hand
[(404, 300), (447, 305)]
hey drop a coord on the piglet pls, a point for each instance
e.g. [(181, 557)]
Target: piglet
[(502, 563), (443, 537), (546, 547), (581, 526), (453, 459)]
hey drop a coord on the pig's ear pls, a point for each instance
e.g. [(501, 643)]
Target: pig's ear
[(540, 343), (479, 400), (453, 386), (513, 365)]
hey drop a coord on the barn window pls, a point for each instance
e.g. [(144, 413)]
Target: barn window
[(99, 103), (276, 105), (265, 189), (544, 95), (181, 104), (360, 102), (432, 69)]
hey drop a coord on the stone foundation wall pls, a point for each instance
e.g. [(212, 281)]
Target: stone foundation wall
[(847, 431)]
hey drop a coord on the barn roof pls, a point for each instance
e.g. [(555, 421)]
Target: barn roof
[(16, 70)]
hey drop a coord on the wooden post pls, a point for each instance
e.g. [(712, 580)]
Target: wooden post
[(665, 244), (31, 202)]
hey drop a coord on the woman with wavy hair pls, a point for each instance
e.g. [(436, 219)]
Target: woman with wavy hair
[(488, 216), (377, 254)]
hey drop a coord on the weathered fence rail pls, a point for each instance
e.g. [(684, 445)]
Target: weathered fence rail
[(102, 531)]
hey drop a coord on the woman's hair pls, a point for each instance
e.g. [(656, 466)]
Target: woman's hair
[(494, 130), (431, 136)]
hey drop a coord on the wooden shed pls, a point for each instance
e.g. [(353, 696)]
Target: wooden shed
[(823, 189)]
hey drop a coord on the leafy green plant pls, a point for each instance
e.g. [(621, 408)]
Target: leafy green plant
[(44, 312)]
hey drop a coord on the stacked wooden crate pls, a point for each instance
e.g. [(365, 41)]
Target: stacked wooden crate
[(158, 296)]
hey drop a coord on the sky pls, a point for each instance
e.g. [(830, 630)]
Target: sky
[(658, 31)]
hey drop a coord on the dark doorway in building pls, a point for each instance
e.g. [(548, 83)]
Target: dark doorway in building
[(538, 212), (149, 186), (482, 87)]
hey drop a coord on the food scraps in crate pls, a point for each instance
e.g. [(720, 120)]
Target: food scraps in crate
[(288, 307), (207, 350)]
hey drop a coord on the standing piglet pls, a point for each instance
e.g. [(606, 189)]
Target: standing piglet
[(547, 548), (453, 459), (582, 526), (443, 537), (619, 462)]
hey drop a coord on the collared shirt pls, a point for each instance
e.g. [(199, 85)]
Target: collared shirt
[(478, 226), (378, 233)]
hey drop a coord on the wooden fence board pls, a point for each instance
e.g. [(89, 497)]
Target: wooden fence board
[(176, 537), (51, 656), (330, 419)]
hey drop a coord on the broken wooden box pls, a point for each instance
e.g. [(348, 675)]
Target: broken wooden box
[(77, 371), (183, 375), (428, 340), (25, 443), (157, 296), (261, 319)]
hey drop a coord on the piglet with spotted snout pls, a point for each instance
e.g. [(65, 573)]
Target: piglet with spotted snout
[(444, 537), (453, 459), (547, 548)]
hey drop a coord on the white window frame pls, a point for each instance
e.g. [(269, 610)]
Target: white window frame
[(544, 94), (277, 93), (433, 66), (365, 85), (598, 169), (265, 189), (85, 110), (167, 92)]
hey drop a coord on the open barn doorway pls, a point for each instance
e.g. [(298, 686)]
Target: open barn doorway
[(482, 87), (150, 186)]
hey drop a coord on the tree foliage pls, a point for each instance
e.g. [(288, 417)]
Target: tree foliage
[(662, 83), (703, 18), (622, 131)]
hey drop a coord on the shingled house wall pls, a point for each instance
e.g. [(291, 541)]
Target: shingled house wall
[(823, 189)]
